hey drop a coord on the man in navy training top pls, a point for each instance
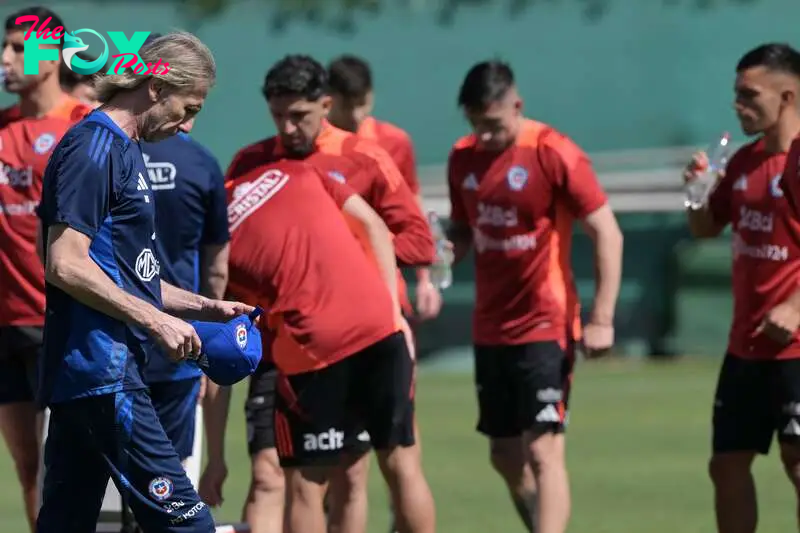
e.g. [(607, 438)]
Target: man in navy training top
[(107, 306)]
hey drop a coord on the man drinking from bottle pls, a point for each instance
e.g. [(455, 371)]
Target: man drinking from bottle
[(758, 392)]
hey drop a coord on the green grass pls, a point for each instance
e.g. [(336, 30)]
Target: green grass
[(637, 445)]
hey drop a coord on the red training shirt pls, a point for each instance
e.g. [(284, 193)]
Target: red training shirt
[(521, 204), (293, 252), (765, 246), (397, 144), (371, 173), (25, 147)]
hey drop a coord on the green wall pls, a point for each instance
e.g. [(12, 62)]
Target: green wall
[(646, 73)]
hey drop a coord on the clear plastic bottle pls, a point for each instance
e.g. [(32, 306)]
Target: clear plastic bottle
[(441, 270), (698, 190)]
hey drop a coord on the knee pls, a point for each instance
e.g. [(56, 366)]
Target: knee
[(353, 479), (507, 459), (267, 473), (725, 469), (547, 451)]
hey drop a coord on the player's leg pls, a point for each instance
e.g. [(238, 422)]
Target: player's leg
[(75, 472), (497, 404), (148, 472), (347, 491), (264, 508), (742, 427), (382, 393), (543, 374), (787, 413), (20, 420), (310, 429)]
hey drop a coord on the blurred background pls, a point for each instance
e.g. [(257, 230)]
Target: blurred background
[(639, 84)]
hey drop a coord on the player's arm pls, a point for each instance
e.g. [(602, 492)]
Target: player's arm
[(574, 177), (459, 231), (71, 269), (215, 247), (709, 220), (395, 204), (601, 226), (374, 229)]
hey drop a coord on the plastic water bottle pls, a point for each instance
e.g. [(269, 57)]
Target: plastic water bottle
[(698, 190), (440, 271)]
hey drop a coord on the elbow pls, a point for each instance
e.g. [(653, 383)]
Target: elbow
[(58, 272)]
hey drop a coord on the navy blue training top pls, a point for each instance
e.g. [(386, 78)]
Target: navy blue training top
[(95, 183), (191, 212)]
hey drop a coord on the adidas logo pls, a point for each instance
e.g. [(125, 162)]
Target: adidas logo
[(470, 183), (548, 414), (142, 183), (792, 428)]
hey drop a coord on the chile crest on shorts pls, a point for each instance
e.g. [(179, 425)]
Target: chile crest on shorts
[(161, 488)]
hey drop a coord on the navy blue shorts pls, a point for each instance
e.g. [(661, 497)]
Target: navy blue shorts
[(115, 435), (175, 403)]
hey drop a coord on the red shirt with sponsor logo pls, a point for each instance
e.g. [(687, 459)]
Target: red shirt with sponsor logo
[(293, 252), (371, 173), (765, 245), (397, 144), (521, 204), (25, 147)]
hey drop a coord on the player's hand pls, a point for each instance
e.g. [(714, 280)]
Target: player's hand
[(223, 310), (696, 167), (177, 338), (211, 482), (781, 323), (598, 339), (429, 301)]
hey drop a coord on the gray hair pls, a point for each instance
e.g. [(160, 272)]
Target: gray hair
[(191, 67)]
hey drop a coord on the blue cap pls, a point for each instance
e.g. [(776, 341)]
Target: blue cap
[(231, 350)]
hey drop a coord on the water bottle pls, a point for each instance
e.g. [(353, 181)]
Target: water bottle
[(698, 190), (441, 272)]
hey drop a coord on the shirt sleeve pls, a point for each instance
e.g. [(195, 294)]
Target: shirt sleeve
[(215, 225), (78, 185), (458, 211), (340, 192), (396, 205), (572, 174)]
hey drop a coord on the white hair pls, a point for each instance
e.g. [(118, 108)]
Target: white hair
[(191, 67)]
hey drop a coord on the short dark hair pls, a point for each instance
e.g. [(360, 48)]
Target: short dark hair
[(38, 11), (778, 57), (485, 83), (296, 75), (350, 76)]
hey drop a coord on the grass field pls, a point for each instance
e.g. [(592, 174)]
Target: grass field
[(638, 446)]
